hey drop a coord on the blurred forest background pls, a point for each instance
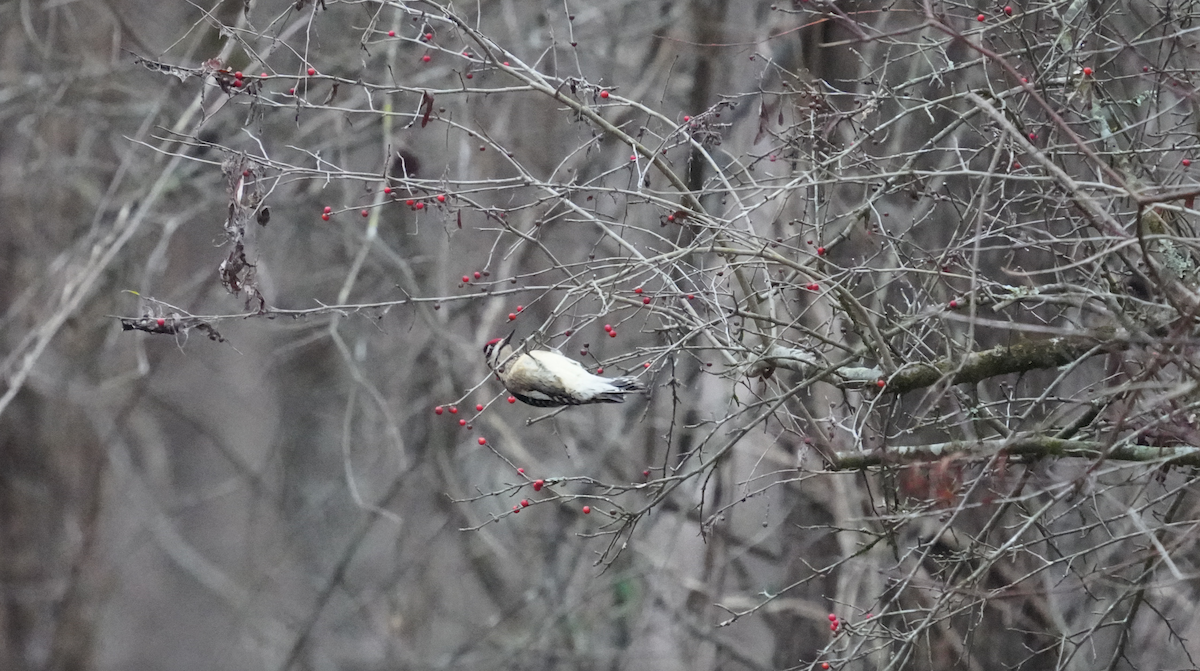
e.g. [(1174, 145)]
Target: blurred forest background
[(913, 286)]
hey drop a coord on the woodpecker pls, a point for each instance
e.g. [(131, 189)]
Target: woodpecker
[(546, 379)]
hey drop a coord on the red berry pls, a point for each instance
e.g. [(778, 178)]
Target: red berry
[(1016, 165), (604, 94), (505, 63), (238, 74), (687, 118), (312, 71), (453, 410), (1033, 137), (824, 665), (160, 321), (462, 422), (524, 503), (511, 316), (437, 410), (478, 407), (880, 384), (567, 332), (420, 206), (516, 509), (1145, 68), (291, 92), (587, 510), (520, 308), (608, 328), (391, 33), (953, 305), (512, 399), (1087, 72), (612, 333), (646, 300), (482, 440), (820, 251), (441, 198), (521, 471), (429, 36), (670, 217), (325, 217), (832, 617), (538, 484), (328, 209), (364, 213), (646, 474), (637, 290), (387, 189), (425, 58), (633, 157), (691, 296), (646, 365), (1024, 80), (477, 275), (1008, 10), (981, 17), (1186, 162), (409, 202), (466, 279), (833, 627)]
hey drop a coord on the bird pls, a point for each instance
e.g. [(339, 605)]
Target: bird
[(547, 379)]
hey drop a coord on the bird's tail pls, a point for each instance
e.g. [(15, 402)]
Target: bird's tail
[(627, 384), (624, 385)]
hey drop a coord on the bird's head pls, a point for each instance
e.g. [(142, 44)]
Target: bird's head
[(496, 351)]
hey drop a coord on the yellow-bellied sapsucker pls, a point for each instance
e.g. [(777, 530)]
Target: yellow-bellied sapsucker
[(545, 378)]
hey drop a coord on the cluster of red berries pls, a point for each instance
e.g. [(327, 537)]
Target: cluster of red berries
[(834, 623), (537, 487), (1008, 10), (414, 204), (612, 332)]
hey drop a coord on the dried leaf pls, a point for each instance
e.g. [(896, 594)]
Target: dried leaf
[(426, 107)]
